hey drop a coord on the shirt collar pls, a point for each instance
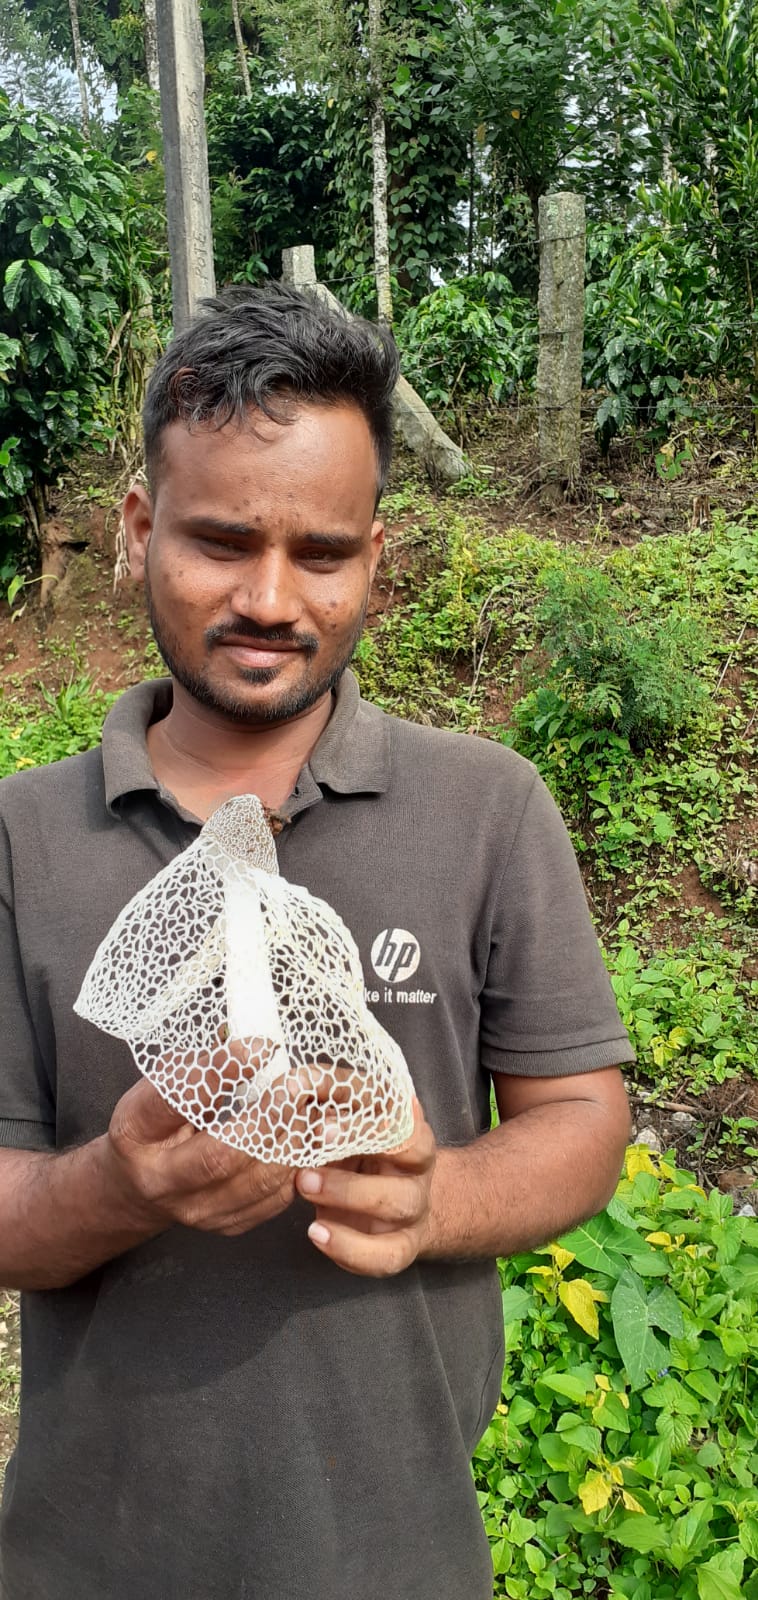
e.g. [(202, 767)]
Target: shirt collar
[(351, 757)]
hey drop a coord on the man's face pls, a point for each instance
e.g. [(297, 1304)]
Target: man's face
[(257, 555)]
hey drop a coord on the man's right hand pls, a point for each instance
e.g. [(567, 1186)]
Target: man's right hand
[(169, 1172)]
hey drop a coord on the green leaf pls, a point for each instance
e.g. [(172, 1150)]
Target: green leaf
[(640, 1350), (721, 1577), (517, 1304), (39, 237), (41, 271), (574, 1386), (599, 1243), (665, 1311), (640, 1533), (747, 1534)]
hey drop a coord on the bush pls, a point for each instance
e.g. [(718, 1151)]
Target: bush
[(61, 233), (689, 1014), (623, 1459), (635, 675), (653, 319), (472, 337)]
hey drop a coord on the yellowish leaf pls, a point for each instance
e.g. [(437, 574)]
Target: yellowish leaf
[(576, 1295), (516, 115), (678, 1037), (659, 1238), (624, 1398), (638, 1159), (151, 156), (541, 1272), (615, 1473), (562, 1258), (600, 1295), (502, 1410), (594, 1492), (630, 1502), (603, 1382)]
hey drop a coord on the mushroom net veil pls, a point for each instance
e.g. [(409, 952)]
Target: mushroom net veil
[(241, 998)]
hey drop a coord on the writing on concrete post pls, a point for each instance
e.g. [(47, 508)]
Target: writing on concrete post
[(561, 332), (188, 204)]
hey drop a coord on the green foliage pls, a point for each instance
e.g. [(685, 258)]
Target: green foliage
[(61, 234), (656, 317), (426, 147), (472, 337), (549, 84), (65, 724), (691, 1014), (635, 674), (624, 1455), (269, 172)]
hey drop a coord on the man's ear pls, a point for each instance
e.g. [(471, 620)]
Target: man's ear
[(377, 545), (138, 524)]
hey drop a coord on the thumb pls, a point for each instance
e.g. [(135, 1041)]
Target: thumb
[(142, 1116)]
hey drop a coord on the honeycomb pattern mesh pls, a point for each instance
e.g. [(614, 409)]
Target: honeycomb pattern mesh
[(241, 998)]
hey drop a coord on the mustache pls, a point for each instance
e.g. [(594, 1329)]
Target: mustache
[(244, 629)]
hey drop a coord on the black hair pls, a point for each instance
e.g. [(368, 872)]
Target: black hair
[(252, 347)]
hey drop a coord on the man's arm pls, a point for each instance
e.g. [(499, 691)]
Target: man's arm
[(63, 1215), (554, 1160)]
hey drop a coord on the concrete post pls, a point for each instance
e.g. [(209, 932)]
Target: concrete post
[(188, 204), (561, 319), (299, 267), (442, 458)]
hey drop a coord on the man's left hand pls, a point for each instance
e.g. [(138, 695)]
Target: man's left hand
[(372, 1211)]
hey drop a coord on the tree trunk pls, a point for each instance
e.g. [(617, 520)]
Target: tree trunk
[(151, 45), (241, 50), (379, 166), (79, 59)]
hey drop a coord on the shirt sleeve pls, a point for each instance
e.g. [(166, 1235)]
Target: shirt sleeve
[(547, 1008), (27, 1111)]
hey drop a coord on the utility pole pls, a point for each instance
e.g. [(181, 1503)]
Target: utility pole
[(185, 153)]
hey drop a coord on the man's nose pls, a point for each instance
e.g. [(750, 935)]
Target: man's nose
[(267, 593)]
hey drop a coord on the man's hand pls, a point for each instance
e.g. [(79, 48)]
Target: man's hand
[(168, 1172), (372, 1211)]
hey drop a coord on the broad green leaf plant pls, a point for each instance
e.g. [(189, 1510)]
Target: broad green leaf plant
[(623, 1458)]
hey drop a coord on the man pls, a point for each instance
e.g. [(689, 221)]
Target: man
[(240, 1380)]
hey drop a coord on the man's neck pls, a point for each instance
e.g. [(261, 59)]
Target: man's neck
[(203, 759)]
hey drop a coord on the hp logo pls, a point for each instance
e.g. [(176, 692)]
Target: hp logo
[(395, 955)]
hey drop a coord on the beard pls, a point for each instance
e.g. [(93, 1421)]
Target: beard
[(235, 707)]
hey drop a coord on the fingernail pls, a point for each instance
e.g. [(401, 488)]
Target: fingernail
[(310, 1183), (318, 1233)]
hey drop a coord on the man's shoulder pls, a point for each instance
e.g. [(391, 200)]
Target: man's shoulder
[(61, 787), (459, 759)]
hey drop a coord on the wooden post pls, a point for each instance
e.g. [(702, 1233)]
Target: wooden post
[(561, 319), (185, 153)]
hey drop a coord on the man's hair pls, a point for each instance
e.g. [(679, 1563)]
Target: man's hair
[(262, 349)]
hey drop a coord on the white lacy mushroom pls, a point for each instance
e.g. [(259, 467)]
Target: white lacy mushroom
[(241, 998)]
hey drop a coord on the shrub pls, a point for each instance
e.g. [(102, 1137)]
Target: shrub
[(636, 675), (622, 1461), (61, 204), (654, 318), (471, 337)]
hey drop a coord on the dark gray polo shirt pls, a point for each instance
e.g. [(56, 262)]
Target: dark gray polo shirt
[(237, 1419)]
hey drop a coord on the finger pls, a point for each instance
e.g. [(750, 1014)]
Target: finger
[(142, 1116), (371, 1255), (208, 1161), (397, 1200), (418, 1155)]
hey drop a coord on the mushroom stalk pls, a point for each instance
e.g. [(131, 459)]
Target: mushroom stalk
[(251, 1008)]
